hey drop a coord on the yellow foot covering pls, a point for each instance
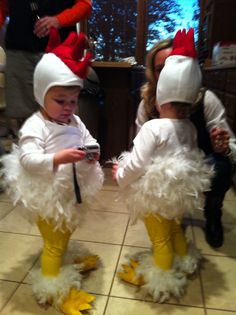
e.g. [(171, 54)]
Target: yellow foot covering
[(87, 262), (76, 302), (128, 273)]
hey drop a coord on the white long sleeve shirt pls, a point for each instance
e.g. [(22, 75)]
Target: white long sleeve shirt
[(40, 139), (157, 137)]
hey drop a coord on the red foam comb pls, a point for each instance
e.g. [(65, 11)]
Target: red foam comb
[(71, 51), (183, 44)]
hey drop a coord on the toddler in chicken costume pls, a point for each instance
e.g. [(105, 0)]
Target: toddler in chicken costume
[(51, 176), (164, 176)]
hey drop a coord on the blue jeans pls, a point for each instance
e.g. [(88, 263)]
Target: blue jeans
[(1, 149), (220, 184)]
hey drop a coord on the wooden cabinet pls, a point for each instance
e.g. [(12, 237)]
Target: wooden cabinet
[(217, 23), (222, 81), (111, 117)]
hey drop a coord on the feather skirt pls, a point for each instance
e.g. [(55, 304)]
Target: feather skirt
[(171, 185), (52, 196)]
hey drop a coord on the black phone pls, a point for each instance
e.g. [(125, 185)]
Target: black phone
[(91, 150)]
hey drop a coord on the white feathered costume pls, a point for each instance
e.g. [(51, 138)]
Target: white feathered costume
[(32, 179), (164, 177), (165, 172), (47, 191)]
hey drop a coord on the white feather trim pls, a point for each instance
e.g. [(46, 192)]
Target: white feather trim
[(55, 289), (52, 196), (160, 284), (171, 185), (190, 262)]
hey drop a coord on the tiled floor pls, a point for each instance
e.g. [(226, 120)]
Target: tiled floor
[(106, 232)]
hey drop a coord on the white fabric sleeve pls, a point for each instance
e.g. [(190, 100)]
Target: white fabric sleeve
[(215, 116), (139, 158), (31, 145), (141, 116), (214, 112), (33, 158), (87, 137)]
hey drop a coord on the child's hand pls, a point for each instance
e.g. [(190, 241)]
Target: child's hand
[(114, 171), (68, 156), (220, 140)]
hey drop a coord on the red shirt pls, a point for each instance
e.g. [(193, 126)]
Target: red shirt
[(80, 10)]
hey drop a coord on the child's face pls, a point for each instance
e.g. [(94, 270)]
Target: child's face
[(60, 102)]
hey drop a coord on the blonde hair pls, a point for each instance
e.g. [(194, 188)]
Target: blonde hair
[(148, 90)]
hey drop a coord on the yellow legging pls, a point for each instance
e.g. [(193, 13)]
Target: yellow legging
[(167, 239), (55, 244)]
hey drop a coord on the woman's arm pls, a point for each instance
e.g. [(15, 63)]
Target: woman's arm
[(69, 17), (79, 11), (3, 12), (215, 117)]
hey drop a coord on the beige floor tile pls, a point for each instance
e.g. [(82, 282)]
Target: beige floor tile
[(17, 222), (108, 181), (192, 297), (231, 194), (121, 288), (99, 281), (108, 176), (6, 290), (101, 226), (219, 278), (110, 188), (4, 197), (18, 254), (23, 303), (229, 213), (5, 208), (117, 306), (136, 235), (109, 200), (216, 312), (228, 248)]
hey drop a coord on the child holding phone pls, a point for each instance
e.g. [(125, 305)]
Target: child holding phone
[(50, 175)]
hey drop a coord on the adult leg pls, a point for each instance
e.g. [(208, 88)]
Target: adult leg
[(214, 199), (20, 101)]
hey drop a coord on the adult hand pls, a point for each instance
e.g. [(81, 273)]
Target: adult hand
[(220, 140), (68, 156), (114, 171), (43, 25)]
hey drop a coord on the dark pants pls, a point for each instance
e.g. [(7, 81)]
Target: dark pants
[(220, 184), (1, 149)]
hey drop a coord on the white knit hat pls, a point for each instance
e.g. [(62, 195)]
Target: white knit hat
[(63, 65), (180, 79)]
